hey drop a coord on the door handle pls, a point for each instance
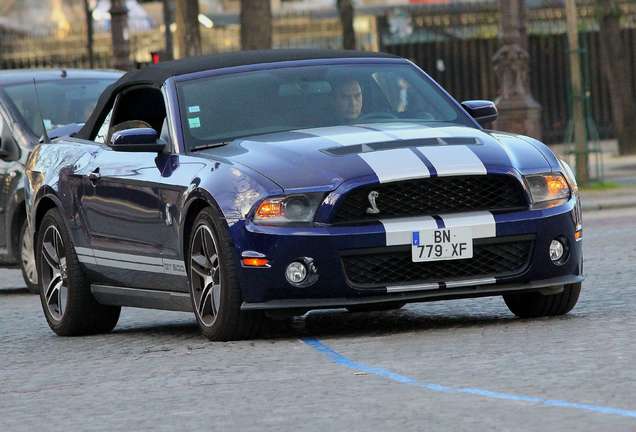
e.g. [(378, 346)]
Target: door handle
[(94, 177)]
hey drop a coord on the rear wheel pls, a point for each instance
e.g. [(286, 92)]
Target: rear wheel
[(535, 304), (214, 289), (376, 307), (26, 254), (68, 304)]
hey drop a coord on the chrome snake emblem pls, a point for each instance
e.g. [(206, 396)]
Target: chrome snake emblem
[(373, 195)]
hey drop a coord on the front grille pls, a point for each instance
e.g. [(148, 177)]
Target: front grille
[(394, 265), (431, 196)]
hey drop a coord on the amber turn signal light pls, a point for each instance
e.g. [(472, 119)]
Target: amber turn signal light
[(255, 262), (270, 209), (556, 185)]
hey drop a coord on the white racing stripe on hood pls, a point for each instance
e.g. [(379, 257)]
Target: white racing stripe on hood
[(388, 165), (454, 160), (349, 135), (400, 231), (413, 132), (396, 164), (482, 223)]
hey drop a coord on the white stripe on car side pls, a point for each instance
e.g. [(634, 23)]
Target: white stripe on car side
[(453, 160), (131, 262), (127, 257)]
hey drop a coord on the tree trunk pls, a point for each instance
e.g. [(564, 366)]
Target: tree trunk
[(167, 22), (346, 12), (88, 15), (617, 74), (188, 34), (119, 34), (256, 24)]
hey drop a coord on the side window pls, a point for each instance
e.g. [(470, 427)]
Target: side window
[(102, 133), (138, 107)]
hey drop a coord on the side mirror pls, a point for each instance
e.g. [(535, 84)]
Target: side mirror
[(136, 140), (481, 110)]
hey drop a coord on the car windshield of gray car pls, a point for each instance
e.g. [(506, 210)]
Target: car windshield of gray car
[(216, 110), (55, 103)]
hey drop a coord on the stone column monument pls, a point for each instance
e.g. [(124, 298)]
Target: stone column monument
[(518, 111)]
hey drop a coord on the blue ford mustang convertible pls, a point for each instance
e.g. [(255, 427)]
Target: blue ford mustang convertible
[(285, 181)]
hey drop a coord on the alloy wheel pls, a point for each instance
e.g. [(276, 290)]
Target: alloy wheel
[(27, 257), (54, 273), (205, 276)]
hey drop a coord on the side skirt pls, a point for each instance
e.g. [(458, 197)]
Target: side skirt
[(142, 298)]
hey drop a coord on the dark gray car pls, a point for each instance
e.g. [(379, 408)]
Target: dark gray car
[(63, 101)]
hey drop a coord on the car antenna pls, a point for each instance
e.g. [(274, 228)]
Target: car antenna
[(45, 137)]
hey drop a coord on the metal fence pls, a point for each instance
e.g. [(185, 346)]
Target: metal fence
[(456, 46)]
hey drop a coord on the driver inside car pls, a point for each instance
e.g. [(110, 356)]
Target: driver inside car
[(348, 100)]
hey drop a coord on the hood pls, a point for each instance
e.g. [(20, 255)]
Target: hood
[(324, 158)]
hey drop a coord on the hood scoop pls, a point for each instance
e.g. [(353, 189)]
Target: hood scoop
[(398, 144)]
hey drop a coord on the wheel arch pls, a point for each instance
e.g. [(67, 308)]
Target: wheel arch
[(197, 201), (44, 204), (17, 218)]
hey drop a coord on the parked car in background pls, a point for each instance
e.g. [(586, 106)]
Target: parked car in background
[(62, 102), (293, 180)]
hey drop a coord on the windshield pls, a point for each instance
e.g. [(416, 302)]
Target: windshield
[(222, 108), (60, 102)]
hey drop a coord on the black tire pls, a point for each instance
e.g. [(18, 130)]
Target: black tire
[(376, 307), (228, 322), (30, 281), (535, 304), (81, 314)]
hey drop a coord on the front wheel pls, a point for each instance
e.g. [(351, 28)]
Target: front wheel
[(214, 288), (68, 304), (26, 253), (535, 304)]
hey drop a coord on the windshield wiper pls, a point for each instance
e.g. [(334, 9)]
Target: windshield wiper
[(211, 145)]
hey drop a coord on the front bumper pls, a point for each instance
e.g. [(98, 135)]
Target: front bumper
[(413, 297), (267, 288)]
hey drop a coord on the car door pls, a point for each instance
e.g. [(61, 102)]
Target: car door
[(127, 214)]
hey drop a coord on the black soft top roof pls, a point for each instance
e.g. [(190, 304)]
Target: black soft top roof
[(156, 75)]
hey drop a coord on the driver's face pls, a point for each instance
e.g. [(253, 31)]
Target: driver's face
[(349, 100)]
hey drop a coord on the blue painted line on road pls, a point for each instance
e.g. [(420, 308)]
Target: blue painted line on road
[(340, 359)]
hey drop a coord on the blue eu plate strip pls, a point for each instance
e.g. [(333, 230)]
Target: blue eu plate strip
[(339, 359)]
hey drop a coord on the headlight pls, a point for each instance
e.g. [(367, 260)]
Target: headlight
[(548, 190), (297, 208)]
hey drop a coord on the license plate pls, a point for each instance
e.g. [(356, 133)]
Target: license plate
[(442, 244)]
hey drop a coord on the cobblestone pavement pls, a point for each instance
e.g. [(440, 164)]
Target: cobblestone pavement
[(155, 372)]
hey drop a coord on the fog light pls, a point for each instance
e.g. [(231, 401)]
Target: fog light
[(296, 273), (556, 250)]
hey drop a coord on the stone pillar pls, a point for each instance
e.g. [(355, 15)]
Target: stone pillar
[(518, 111), (119, 34)]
